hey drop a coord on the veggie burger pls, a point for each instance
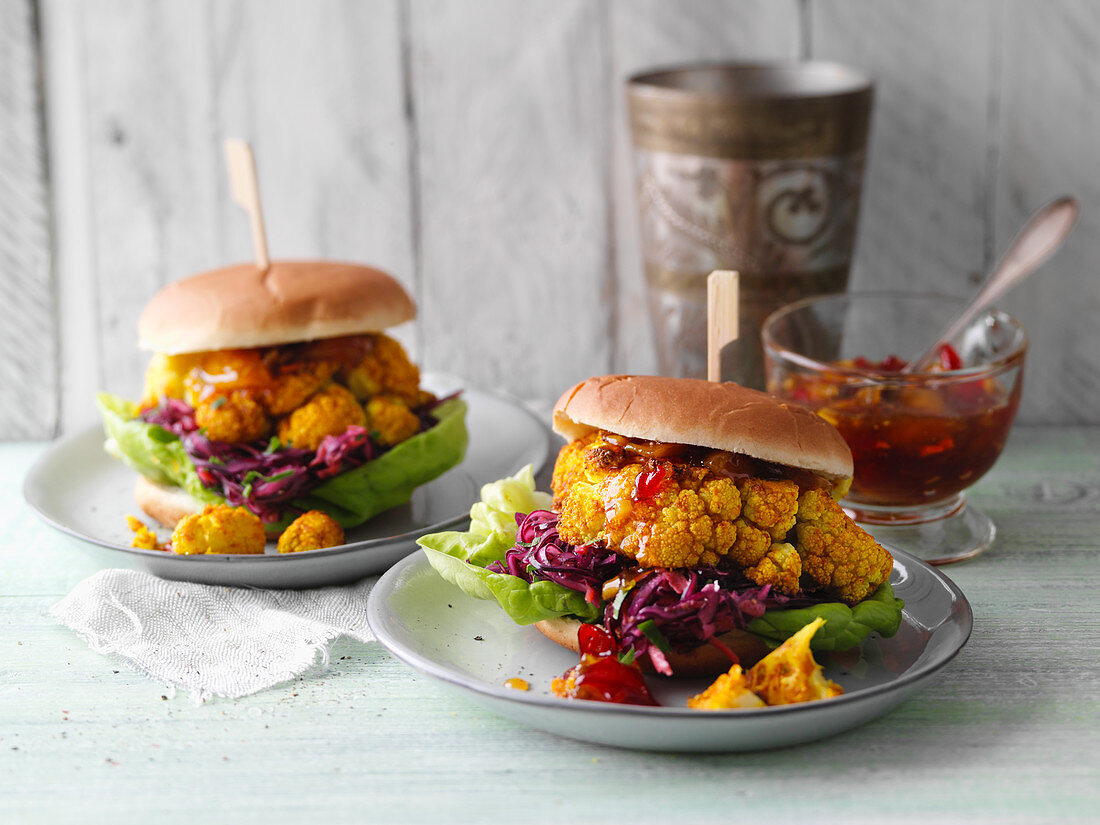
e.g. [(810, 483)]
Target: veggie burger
[(697, 522), (278, 391)]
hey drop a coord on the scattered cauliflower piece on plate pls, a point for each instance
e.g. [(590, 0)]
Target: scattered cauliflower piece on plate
[(311, 531), (219, 529), (144, 538), (786, 676), (730, 690)]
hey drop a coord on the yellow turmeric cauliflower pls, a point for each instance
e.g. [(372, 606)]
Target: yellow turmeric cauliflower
[(569, 466), (311, 531), (770, 505), (226, 371), (219, 529), (695, 517), (672, 514), (329, 412), (295, 385), (787, 675), (391, 420), (165, 376), (790, 674), (781, 567), (727, 692), (232, 418), (385, 369), (144, 538), (836, 553), (689, 521)]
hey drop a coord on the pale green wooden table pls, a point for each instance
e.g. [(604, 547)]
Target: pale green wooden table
[(1009, 733)]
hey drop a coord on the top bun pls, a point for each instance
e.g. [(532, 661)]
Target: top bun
[(241, 307), (706, 414)]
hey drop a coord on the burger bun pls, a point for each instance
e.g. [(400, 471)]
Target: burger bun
[(242, 307), (168, 505), (164, 503), (720, 416)]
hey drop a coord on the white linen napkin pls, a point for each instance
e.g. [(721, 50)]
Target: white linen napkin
[(211, 640)]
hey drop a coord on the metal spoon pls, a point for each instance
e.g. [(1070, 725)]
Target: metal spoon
[(1039, 238)]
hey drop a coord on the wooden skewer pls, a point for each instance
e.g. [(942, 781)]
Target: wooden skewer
[(721, 318), (246, 192)]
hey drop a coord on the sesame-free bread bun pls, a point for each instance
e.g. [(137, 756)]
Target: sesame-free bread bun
[(700, 413), (706, 660), (168, 505), (240, 306), (163, 503)]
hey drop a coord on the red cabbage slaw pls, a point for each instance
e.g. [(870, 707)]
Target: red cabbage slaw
[(263, 476), (656, 609)]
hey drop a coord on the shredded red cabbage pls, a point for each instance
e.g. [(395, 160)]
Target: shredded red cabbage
[(540, 551), (263, 476), (685, 608)]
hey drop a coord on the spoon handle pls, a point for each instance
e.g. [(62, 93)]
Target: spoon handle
[(1039, 238)]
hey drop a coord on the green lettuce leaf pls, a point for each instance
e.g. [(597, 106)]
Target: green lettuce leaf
[(524, 603), (389, 480), (844, 628), (351, 498), (501, 500), (149, 448), (461, 558)]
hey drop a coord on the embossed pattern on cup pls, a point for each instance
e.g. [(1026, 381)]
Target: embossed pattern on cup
[(756, 168)]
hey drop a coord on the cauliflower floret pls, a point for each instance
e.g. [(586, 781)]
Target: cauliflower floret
[(569, 467), (836, 553), (311, 531), (219, 529), (781, 568), (751, 544), (787, 675), (689, 521), (670, 514), (232, 418), (386, 369), (144, 538), (790, 674), (165, 376), (770, 505), (295, 385), (391, 420), (729, 691), (329, 412), (225, 372), (686, 517)]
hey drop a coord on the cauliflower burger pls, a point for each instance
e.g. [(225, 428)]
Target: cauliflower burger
[(697, 522), (279, 392)]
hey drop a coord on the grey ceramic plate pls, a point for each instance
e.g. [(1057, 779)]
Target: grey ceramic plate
[(79, 489), (474, 647)]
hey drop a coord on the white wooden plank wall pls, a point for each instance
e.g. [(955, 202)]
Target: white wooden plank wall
[(510, 106), (478, 150), (1049, 129), (29, 377), (651, 33)]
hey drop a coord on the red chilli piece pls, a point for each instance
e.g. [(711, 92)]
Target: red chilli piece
[(649, 482), (949, 358), (891, 363), (595, 640)]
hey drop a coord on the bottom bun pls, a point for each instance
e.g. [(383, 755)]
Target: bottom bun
[(706, 660), (163, 503), (170, 504)]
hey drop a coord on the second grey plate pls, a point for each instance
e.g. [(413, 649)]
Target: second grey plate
[(79, 489)]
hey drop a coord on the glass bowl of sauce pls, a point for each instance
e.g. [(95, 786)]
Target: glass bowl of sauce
[(918, 440)]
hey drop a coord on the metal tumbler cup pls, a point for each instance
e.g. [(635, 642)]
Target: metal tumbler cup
[(752, 167)]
